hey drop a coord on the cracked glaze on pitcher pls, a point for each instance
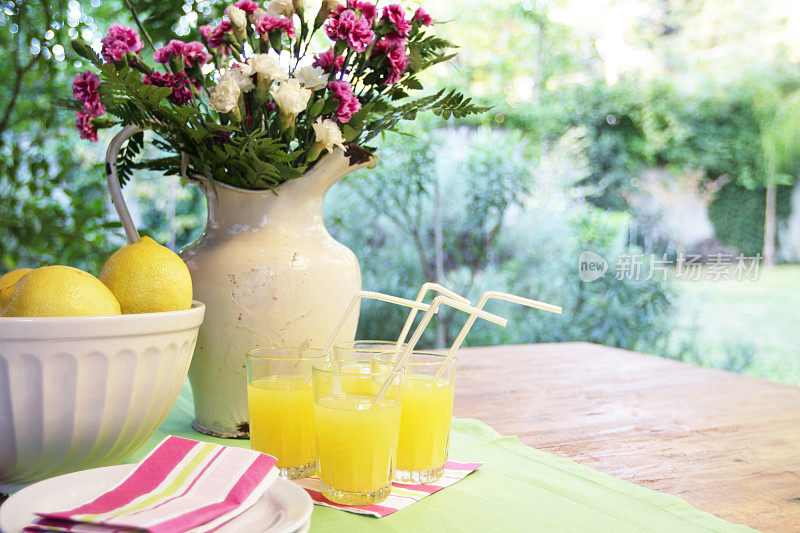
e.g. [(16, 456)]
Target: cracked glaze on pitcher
[(270, 275)]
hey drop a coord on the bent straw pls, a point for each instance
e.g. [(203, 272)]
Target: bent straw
[(426, 318), (423, 291), (485, 297), (372, 296)]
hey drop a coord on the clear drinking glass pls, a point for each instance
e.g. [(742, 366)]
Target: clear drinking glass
[(356, 437), (280, 401), (427, 410), (361, 350)]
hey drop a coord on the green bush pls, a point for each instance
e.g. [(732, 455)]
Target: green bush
[(737, 214), (501, 233)]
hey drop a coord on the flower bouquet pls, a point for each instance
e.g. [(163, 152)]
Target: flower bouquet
[(267, 91)]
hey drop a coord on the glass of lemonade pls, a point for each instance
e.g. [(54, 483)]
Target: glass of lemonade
[(356, 437), (280, 401), (427, 409), (361, 350)]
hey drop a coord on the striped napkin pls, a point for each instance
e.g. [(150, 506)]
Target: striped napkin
[(401, 496), (181, 485)]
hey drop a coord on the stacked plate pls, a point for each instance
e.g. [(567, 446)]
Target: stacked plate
[(284, 508)]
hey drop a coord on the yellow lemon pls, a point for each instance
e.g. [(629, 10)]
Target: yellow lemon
[(7, 282), (148, 278), (61, 291)]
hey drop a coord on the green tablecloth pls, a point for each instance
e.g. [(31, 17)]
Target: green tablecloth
[(518, 489)]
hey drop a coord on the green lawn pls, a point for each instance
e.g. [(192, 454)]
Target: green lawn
[(731, 322)]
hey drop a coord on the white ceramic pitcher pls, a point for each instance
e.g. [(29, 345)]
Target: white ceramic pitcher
[(269, 273)]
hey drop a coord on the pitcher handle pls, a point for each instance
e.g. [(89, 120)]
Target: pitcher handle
[(113, 181)]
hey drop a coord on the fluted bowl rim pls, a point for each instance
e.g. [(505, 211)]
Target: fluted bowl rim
[(96, 327)]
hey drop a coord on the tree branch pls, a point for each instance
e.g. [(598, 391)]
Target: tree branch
[(20, 70), (139, 24)]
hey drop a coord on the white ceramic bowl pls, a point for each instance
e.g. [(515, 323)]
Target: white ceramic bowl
[(81, 392)]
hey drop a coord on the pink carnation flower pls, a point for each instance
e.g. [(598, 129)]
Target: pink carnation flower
[(195, 52), (216, 39), (181, 93), (390, 40), (205, 32), (173, 49), (346, 26), (398, 61), (248, 6), (422, 17), (366, 9), (395, 52), (84, 125), (85, 85), (327, 62), (119, 41), (190, 52), (266, 24), (396, 15), (93, 107), (348, 102)]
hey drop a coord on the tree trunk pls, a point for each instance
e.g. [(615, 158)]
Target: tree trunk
[(770, 225)]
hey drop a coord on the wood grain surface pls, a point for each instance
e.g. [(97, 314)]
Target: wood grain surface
[(728, 444)]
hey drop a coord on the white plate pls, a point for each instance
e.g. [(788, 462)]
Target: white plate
[(284, 508)]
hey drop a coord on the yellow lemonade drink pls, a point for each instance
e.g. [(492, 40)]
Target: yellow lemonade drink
[(427, 409), (282, 419), (356, 442), (356, 433), (280, 402)]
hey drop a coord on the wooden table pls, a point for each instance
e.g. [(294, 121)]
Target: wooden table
[(728, 444)]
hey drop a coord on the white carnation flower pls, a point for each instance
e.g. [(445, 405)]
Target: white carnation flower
[(328, 134), (280, 8), (242, 75), (268, 67), (225, 96), (313, 78), (291, 97), (237, 17)]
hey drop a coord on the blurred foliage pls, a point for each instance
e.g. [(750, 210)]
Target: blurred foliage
[(738, 216), (175, 214), (52, 210), (522, 236), (387, 215)]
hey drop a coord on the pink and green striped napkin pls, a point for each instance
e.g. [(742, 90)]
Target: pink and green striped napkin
[(182, 484), (402, 495)]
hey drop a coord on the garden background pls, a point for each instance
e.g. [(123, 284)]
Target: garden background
[(651, 129)]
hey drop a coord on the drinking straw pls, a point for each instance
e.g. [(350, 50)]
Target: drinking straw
[(372, 296), (423, 291), (423, 323), (485, 297)]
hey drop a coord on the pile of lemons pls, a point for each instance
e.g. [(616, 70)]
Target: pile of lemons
[(143, 277)]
